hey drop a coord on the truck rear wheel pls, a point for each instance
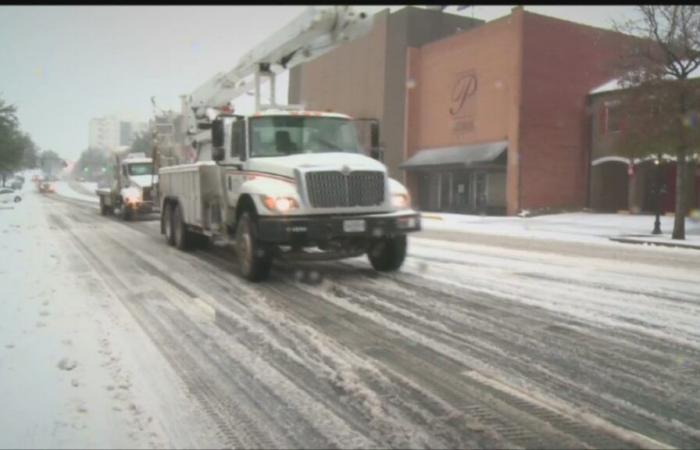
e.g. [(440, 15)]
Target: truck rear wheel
[(167, 218), (183, 237), (254, 260), (387, 254)]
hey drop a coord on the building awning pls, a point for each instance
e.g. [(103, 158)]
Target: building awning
[(461, 156)]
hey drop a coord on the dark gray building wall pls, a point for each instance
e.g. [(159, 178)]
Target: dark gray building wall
[(349, 79), (294, 90), (344, 79), (409, 27)]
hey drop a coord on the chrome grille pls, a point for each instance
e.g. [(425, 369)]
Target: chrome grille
[(331, 189)]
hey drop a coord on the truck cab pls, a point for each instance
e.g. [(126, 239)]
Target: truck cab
[(280, 183), (131, 191)]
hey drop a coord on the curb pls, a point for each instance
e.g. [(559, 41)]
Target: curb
[(428, 216), (660, 244)]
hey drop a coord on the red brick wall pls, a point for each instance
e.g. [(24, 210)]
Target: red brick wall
[(492, 53), (562, 61)]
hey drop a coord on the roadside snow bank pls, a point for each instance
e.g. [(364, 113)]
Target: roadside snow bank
[(76, 371), (64, 189), (573, 227)]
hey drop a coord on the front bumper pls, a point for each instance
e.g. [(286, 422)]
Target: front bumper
[(313, 229), (141, 207)]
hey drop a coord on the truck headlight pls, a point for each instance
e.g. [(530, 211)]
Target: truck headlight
[(280, 204), (400, 201)]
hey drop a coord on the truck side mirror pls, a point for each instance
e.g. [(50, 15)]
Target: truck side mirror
[(377, 153), (218, 153), (376, 149), (217, 133), (374, 134)]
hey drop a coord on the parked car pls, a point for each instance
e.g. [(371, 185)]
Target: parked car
[(45, 187), (8, 195)]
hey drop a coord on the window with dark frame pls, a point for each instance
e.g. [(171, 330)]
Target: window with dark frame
[(613, 117)]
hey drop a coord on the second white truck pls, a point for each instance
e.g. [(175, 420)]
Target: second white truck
[(131, 191)]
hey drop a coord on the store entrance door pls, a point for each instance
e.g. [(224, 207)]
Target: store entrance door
[(462, 191), (480, 192)]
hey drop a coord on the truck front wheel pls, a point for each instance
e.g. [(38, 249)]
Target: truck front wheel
[(125, 213), (387, 254), (254, 260)]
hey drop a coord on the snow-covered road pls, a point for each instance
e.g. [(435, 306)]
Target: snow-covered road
[(493, 343)]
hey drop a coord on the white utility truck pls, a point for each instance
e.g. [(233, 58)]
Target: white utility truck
[(131, 188), (284, 182)]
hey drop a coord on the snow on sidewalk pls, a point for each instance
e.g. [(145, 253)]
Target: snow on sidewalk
[(571, 227), (76, 370)]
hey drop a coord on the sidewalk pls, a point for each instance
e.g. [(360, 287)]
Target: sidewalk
[(691, 241), (580, 227)]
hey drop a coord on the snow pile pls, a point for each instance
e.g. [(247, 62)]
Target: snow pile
[(70, 355), (84, 187), (572, 227), (66, 189)]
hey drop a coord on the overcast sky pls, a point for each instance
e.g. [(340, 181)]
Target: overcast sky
[(63, 65)]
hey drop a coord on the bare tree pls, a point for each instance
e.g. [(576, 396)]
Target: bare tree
[(658, 68)]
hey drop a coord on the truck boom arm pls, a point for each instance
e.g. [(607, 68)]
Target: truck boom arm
[(313, 33)]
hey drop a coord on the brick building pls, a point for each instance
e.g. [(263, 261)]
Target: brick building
[(490, 119), (497, 114)]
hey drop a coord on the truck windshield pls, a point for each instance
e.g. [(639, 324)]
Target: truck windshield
[(288, 135), (140, 169)]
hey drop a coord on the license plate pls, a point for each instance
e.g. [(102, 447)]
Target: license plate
[(354, 226)]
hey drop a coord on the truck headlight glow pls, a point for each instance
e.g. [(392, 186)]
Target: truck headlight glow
[(400, 200), (280, 204)]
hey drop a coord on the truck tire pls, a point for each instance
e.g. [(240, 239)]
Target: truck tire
[(254, 260), (125, 213), (182, 236), (387, 254), (167, 218), (202, 242)]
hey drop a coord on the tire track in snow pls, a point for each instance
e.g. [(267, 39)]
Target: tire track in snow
[(325, 324), (670, 424)]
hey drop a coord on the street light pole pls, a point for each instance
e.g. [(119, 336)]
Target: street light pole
[(657, 195)]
